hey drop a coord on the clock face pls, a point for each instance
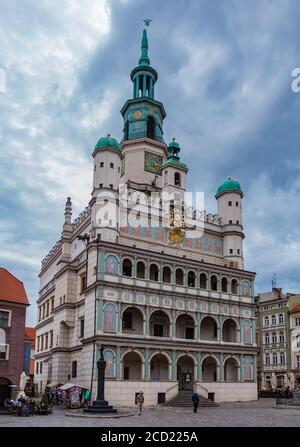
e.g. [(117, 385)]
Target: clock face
[(153, 163)]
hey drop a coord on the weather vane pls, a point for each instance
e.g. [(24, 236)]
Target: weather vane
[(147, 21)]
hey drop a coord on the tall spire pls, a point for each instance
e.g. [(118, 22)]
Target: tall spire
[(144, 59)]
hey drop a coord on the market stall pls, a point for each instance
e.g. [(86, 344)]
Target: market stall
[(73, 395)]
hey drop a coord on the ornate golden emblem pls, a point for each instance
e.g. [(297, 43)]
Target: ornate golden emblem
[(137, 115), (176, 236)]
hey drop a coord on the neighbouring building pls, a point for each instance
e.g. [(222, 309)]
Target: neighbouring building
[(13, 304), (294, 326), (277, 333), (29, 352), (173, 311)]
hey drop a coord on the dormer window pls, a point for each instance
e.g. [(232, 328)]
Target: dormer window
[(177, 179)]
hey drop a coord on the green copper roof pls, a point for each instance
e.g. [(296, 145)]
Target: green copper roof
[(229, 185), (174, 143), (106, 142), (174, 162), (173, 156), (144, 59)]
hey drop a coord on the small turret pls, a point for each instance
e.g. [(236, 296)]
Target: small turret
[(107, 176), (67, 232), (173, 171), (229, 198)]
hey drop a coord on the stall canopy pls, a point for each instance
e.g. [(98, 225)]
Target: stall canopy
[(68, 386), (53, 384)]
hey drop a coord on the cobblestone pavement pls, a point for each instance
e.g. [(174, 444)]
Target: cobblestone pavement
[(249, 414)]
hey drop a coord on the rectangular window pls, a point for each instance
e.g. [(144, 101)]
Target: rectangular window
[(111, 186), (230, 221), (237, 222), (74, 368), (51, 339), (298, 341), (4, 318), (82, 283), (189, 333), (81, 328), (126, 372), (297, 321), (3, 352), (158, 330), (41, 367), (46, 341), (112, 165), (127, 320), (101, 164), (238, 251), (52, 304), (230, 203), (236, 203), (37, 367), (298, 361), (47, 309), (101, 185), (231, 251), (40, 313)]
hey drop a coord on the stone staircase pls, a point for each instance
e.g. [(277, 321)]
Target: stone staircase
[(184, 400)]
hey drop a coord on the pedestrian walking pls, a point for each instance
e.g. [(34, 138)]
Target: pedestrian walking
[(139, 400), (195, 400)]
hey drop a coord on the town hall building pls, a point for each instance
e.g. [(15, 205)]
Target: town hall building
[(161, 285)]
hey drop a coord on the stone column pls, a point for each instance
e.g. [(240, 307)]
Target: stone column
[(144, 85), (199, 372), (221, 367), (118, 363), (174, 374), (147, 365), (242, 368)]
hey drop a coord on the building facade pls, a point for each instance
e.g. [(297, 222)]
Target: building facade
[(161, 285), (13, 303), (294, 326), (278, 339)]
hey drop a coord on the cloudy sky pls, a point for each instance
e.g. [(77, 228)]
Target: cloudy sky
[(225, 80)]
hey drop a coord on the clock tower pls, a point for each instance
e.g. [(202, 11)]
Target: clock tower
[(143, 146)]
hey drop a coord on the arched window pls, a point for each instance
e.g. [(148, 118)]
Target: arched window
[(165, 177), (153, 272), (267, 338), (274, 337), (127, 267), (191, 279), (267, 358), (140, 270), (167, 274), (273, 319), (234, 287), (281, 337), (214, 283), (203, 281), (266, 321), (177, 179), (224, 285), (151, 127), (274, 358), (179, 277), (281, 320)]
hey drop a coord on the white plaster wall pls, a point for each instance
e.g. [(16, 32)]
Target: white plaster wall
[(231, 392), (122, 393)]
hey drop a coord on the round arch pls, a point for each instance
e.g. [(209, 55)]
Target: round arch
[(185, 326), (160, 366), (165, 311), (233, 319), (133, 306), (210, 356), (232, 357), (133, 365), (160, 323)]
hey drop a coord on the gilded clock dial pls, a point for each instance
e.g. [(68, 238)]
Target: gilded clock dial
[(153, 162)]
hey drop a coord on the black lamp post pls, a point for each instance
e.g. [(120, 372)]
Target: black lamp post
[(100, 405)]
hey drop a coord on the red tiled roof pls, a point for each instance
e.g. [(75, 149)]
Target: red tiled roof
[(30, 334), (296, 308), (11, 289)]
